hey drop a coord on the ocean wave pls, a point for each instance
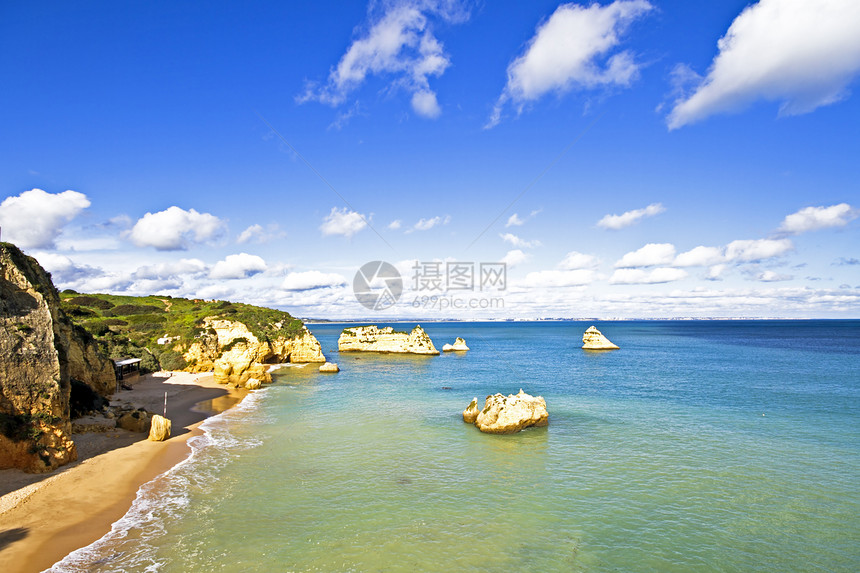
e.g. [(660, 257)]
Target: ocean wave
[(129, 545)]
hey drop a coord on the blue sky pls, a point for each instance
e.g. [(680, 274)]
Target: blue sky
[(624, 159)]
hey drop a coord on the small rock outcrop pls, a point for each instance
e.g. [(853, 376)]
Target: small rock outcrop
[(458, 346), (470, 414), (329, 367), (253, 384), (138, 421), (237, 355), (374, 339), (160, 429), (508, 414), (593, 339)]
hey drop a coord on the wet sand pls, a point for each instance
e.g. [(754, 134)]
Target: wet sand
[(45, 517)]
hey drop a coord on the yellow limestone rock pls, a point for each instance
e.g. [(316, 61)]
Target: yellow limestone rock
[(470, 414), (512, 413), (160, 429), (374, 339), (593, 339), (458, 346), (329, 367), (236, 355), (253, 384)]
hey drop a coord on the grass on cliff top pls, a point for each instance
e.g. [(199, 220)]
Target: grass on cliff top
[(131, 325)]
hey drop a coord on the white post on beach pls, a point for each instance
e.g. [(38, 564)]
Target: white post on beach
[(165, 404)]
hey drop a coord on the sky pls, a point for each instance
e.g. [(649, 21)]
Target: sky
[(627, 159)]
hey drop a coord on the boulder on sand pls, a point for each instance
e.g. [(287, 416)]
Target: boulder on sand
[(160, 429)]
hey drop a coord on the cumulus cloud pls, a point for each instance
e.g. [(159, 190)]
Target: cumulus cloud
[(514, 258), (252, 232), (65, 271), (427, 224), (715, 273), (772, 276), (750, 250), (518, 242), (238, 266), (171, 269), (395, 224), (650, 255), (343, 222), (628, 218), (559, 278), (815, 218), (35, 218), (175, 229), (699, 257), (574, 261), (311, 280), (399, 44), (841, 261), (801, 53), (627, 276), (575, 48), (516, 221)]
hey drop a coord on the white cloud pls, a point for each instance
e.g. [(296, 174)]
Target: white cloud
[(35, 218), (574, 261), (395, 224), (715, 273), (427, 224), (310, 280), (63, 270), (175, 229), (650, 255), (802, 53), (572, 50), (252, 232), (343, 222), (399, 44), (238, 266), (514, 220), (518, 242), (815, 218), (628, 276), (772, 276), (559, 278), (700, 257), (171, 269), (514, 258), (757, 249), (628, 218)]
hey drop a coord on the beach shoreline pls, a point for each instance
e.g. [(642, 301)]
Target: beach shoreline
[(45, 517)]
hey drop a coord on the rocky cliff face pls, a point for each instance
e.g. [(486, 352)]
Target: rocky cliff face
[(237, 355), (375, 339)]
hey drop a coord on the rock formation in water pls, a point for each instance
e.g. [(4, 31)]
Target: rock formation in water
[(458, 346), (253, 384), (593, 339), (329, 367), (236, 355), (470, 414), (41, 351), (160, 429), (508, 414), (374, 339)]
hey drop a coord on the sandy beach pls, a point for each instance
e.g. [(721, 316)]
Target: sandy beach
[(44, 517)]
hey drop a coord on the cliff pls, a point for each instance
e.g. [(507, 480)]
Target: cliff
[(41, 352), (237, 355), (593, 339), (374, 339)]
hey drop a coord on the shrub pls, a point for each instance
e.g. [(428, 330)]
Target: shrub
[(131, 309), (91, 301)]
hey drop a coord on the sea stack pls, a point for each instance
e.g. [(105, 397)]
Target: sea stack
[(507, 414), (374, 339), (593, 339), (458, 346)]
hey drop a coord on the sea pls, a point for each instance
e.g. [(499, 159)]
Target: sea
[(697, 446)]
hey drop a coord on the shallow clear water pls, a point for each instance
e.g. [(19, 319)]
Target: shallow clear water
[(699, 446)]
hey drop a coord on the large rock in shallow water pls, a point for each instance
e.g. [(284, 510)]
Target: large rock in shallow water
[(510, 414), (374, 339), (458, 346), (593, 339), (470, 414)]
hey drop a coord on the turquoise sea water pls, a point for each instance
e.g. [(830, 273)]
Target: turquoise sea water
[(698, 446)]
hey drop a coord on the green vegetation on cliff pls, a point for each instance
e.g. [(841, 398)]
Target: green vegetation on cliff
[(130, 326)]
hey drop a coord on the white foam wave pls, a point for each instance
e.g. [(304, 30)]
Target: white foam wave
[(129, 544)]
